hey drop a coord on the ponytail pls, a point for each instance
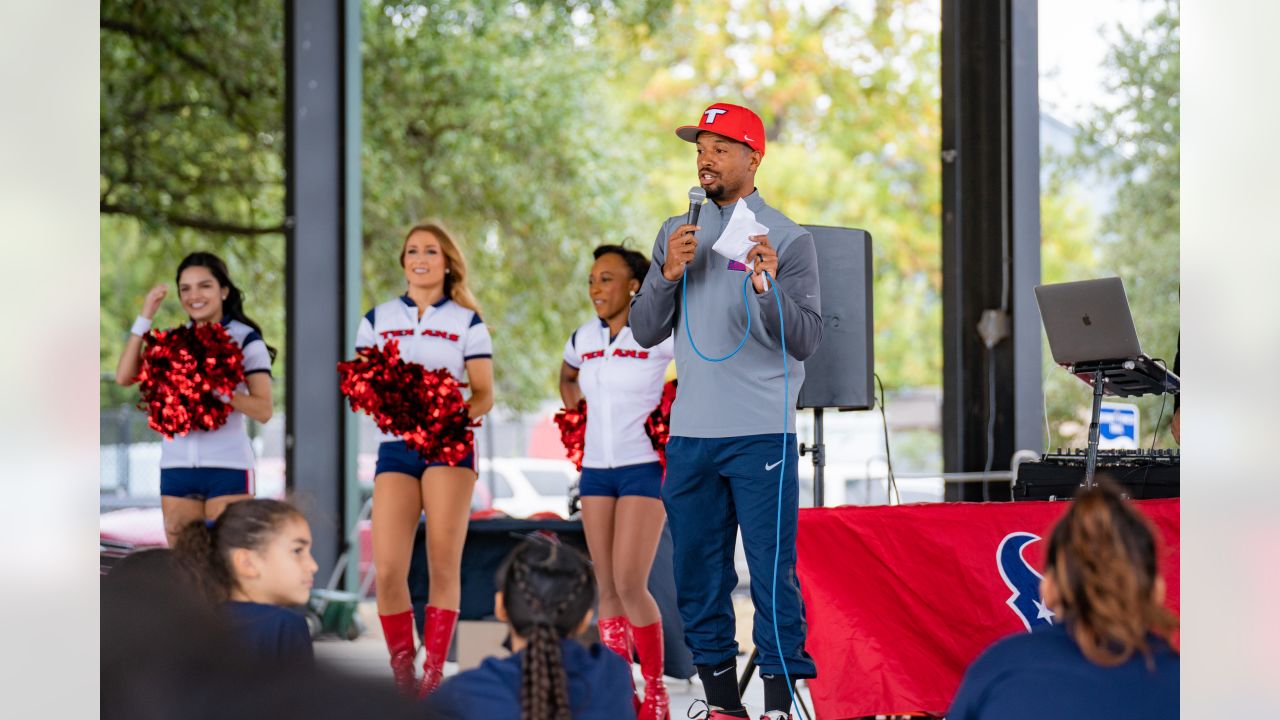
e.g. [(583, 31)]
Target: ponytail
[(197, 549), (547, 590), (206, 547), (1102, 558)]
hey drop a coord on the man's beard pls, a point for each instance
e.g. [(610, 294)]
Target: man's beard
[(715, 191)]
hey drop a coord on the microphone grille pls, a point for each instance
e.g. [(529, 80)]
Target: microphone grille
[(697, 195)]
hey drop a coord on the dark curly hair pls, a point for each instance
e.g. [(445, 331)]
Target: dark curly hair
[(636, 261), (547, 588)]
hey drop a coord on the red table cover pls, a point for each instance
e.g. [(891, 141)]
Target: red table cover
[(901, 599)]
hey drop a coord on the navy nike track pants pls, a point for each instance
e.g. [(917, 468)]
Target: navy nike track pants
[(713, 486)]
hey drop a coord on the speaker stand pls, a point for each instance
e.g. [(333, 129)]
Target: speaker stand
[(819, 452)]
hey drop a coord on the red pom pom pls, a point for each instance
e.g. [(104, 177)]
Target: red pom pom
[(658, 426), (423, 407), (185, 374), (573, 431)]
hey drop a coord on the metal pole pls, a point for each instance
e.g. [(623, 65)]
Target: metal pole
[(819, 461), (353, 245), (1092, 459)]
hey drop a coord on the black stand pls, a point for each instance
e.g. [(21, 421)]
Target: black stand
[(1091, 461), (1119, 378), (819, 451)]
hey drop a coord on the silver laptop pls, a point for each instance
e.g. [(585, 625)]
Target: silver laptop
[(1088, 321)]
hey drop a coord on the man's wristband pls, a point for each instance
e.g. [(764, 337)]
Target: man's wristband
[(140, 326)]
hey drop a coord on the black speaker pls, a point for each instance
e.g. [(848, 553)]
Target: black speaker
[(840, 374)]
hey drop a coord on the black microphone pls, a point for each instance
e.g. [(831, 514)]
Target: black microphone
[(697, 196)]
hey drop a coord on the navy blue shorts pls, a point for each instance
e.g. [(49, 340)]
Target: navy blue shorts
[(396, 456), (644, 480), (203, 483)]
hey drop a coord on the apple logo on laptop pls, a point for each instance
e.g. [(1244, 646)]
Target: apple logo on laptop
[(1087, 321)]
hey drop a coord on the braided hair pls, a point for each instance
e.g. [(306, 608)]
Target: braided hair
[(1102, 557), (547, 588)]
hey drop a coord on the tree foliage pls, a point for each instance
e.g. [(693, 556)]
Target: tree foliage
[(192, 131), (849, 95), (535, 130), (1133, 140), (493, 119), (192, 127)]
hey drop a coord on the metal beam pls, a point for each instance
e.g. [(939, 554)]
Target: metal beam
[(990, 238), (353, 94), (316, 268)]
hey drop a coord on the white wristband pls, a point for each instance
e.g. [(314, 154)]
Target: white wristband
[(140, 326)]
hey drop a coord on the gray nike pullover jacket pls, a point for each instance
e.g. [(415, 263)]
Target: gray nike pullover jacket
[(742, 395)]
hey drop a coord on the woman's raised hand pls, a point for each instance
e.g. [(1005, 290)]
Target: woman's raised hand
[(152, 301)]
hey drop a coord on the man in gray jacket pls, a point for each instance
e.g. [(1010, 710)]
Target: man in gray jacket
[(727, 424)]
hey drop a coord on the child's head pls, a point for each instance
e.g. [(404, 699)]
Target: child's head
[(1101, 578), (545, 591), (257, 550)]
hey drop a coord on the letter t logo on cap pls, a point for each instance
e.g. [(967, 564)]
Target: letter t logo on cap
[(738, 123)]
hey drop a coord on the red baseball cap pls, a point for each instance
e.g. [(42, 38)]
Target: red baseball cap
[(732, 121)]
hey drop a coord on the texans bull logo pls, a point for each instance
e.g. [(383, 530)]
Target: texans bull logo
[(1022, 579)]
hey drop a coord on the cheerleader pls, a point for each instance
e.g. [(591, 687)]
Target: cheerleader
[(437, 324), (205, 470), (622, 511)]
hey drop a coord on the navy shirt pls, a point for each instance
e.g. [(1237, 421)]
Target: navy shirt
[(599, 687), (1044, 675), (270, 632)]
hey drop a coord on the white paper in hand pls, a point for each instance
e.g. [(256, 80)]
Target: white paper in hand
[(735, 241)]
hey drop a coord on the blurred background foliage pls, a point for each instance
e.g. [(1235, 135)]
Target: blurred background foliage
[(537, 130)]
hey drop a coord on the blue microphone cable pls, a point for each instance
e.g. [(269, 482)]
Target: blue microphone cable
[(782, 466)]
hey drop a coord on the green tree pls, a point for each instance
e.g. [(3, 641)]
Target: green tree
[(1068, 228), (850, 105), (535, 130), (191, 158), (493, 118), (1135, 142)]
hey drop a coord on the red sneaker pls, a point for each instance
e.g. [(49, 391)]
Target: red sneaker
[(707, 712)]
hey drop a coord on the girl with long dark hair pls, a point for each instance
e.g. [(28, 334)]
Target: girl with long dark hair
[(255, 560), (1107, 653), (437, 325), (545, 593), (204, 471)]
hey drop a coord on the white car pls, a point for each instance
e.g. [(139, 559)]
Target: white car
[(522, 486)]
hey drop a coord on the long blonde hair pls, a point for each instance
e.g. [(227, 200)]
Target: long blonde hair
[(455, 281)]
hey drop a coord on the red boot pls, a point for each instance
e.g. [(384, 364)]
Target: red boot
[(649, 647), (397, 630), (437, 633), (615, 634)]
